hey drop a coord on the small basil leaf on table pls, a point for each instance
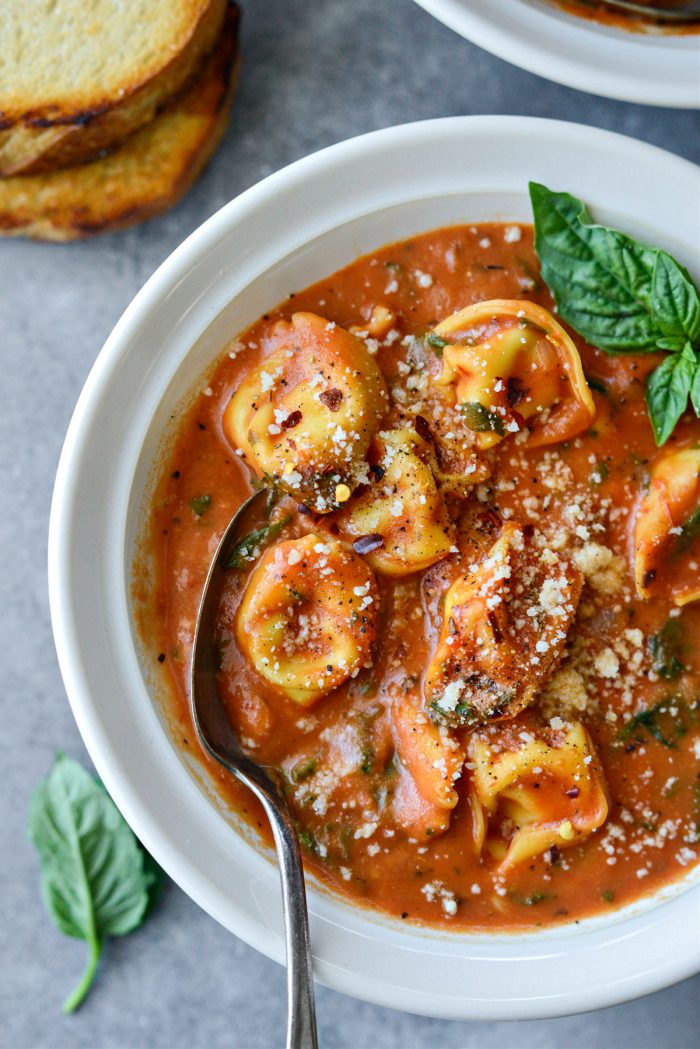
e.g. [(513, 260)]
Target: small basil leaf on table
[(97, 881), (622, 297)]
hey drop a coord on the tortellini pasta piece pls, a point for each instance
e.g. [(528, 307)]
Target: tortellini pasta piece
[(511, 363), (667, 527), (307, 619), (534, 786), (401, 515), (504, 626), (304, 417), (431, 759)]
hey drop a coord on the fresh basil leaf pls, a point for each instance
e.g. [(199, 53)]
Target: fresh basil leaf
[(667, 392), (95, 880), (675, 300), (620, 295), (248, 548), (695, 387)]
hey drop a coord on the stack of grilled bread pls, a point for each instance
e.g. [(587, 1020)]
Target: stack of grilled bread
[(108, 110)]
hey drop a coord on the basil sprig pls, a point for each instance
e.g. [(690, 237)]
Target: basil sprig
[(96, 879), (622, 297)]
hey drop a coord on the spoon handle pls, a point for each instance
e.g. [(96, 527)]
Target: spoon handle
[(301, 1017)]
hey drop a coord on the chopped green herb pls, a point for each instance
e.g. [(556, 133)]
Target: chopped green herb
[(248, 548), (368, 756), (200, 504), (647, 720), (480, 419), (436, 343), (665, 649), (690, 531), (608, 895), (598, 473), (533, 899), (307, 841), (597, 384), (268, 484), (366, 685), (303, 769), (346, 838)]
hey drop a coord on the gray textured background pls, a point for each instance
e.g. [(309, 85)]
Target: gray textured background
[(315, 72)]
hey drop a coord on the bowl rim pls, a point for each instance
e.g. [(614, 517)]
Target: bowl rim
[(570, 50), (67, 603)]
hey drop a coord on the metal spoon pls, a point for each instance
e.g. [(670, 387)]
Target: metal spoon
[(219, 740), (687, 11)]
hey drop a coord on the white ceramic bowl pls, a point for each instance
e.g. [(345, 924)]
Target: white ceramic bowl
[(657, 69), (290, 230)]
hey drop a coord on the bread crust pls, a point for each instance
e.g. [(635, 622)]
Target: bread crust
[(57, 136), (144, 176)]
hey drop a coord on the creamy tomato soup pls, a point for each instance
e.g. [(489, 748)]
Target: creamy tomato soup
[(599, 11), (465, 637)]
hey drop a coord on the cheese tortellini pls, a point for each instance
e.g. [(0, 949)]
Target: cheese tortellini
[(532, 787), (307, 619), (504, 626), (304, 417), (401, 514), (510, 363), (432, 758), (667, 526)]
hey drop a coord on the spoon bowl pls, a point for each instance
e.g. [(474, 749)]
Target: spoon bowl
[(219, 740)]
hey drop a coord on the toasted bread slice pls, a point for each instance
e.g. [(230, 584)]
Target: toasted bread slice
[(143, 177), (78, 77)]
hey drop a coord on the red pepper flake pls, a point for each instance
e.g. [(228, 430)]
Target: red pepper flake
[(516, 391), (423, 428), (367, 543), (649, 577), (332, 399), (573, 792), (292, 420), (493, 623)]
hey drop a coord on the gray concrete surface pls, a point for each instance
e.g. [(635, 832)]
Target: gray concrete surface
[(315, 72)]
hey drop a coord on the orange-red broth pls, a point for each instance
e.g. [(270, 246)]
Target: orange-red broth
[(595, 11), (650, 836)]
